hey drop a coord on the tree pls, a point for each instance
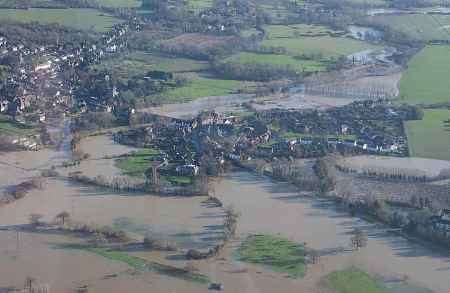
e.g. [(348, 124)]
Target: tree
[(63, 216), (359, 239), (35, 219)]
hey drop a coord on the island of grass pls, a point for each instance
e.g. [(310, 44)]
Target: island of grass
[(77, 18), (352, 281), (426, 78), (120, 3), (277, 253), (430, 137)]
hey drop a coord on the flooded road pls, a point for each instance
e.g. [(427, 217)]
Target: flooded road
[(277, 208)]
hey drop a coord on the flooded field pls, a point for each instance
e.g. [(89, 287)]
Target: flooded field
[(276, 208)]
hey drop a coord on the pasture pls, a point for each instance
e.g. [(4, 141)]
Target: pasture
[(277, 60), (430, 137), (77, 18), (419, 27), (201, 87), (426, 78), (139, 63), (277, 253), (120, 3)]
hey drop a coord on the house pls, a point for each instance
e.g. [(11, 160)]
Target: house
[(349, 142), (187, 170), (306, 140), (443, 225), (333, 140), (4, 106)]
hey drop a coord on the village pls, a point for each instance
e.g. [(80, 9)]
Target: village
[(202, 146)]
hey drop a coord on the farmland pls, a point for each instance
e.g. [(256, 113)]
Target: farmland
[(277, 60), (83, 19), (421, 27), (425, 80), (120, 3), (11, 128), (352, 281), (310, 39), (201, 87), (139, 63), (430, 138)]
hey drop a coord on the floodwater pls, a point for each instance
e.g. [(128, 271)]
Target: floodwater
[(424, 10), (277, 208)]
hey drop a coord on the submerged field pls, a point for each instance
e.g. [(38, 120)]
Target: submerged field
[(430, 137), (78, 18), (426, 78)]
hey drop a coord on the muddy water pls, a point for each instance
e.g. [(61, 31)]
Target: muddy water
[(276, 208)]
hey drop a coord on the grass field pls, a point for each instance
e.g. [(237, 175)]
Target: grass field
[(426, 79), (201, 87), (120, 3), (139, 63), (10, 128), (423, 27), (277, 60), (430, 138), (352, 281), (199, 4), (137, 163), (78, 18), (275, 252)]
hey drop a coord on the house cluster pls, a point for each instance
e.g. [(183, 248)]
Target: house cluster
[(366, 126), (442, 221), (45, 79)]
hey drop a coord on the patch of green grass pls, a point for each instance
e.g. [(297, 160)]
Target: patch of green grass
[(352, 281), (421, 27), (284, 61), (137, 163), (429, 137), (11, 128), (141, 264), (179, 180), (275, 252), (201, 87), (426, 78), (329, 47), (312, 39), (296, 135), (199, 4), (120, 3), (139, 63), (78, 18)]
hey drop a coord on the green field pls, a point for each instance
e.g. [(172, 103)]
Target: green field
[(327, 45), (426, 78), (430, 138), (422, 27), (201, 87), (10, 128), (352, 281), (277, 61), (137, 163), (199, 4), (78, 18), (120, 3), (139, 63), (274, 252)]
